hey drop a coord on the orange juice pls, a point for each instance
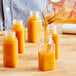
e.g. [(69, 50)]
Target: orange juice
[(20, 34), (34, 27), (67, 21), (55, 37), (46, 61), (46, 55), (10, 50), (56, 41), (60, 17)]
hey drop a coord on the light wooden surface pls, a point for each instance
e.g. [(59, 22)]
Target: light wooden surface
[(28, 62)]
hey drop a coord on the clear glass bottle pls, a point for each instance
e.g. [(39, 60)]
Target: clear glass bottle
[(46, 55), (34, 27), (50, 43), (10, 50), (55, 36)]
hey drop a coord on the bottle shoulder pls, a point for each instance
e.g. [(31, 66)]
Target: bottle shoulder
[(56, 34), (16, 28), (10, 40), (34, 18)]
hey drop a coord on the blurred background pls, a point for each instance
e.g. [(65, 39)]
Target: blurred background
[(19, 9)]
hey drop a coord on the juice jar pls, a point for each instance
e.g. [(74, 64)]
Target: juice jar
[(34, 27), (10, 50), (46, 56), (20, 34), (52, 29), (56, 41)]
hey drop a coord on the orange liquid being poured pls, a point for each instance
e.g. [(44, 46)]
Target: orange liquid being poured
[(44, 57), (20, 34), (47, 57), (61, 17), (55, 38)]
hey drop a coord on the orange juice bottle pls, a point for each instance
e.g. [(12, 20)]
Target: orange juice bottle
[(20, 34), (10, 50), (46, 57), (52, 29), (56, 41), (34, 27)]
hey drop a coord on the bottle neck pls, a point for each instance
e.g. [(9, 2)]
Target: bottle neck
[(51, 29), (10, 34), (17, 25), (55, 29), (34, 14), (49, 38), (18, 22)]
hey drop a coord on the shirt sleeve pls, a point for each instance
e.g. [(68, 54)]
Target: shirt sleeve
[(1, 19), (8, 13), (19, 9)]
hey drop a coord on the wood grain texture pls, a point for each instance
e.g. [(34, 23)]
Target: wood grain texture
[(28, 62)]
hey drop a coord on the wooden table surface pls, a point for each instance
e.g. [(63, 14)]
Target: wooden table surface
[(28, 62)]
